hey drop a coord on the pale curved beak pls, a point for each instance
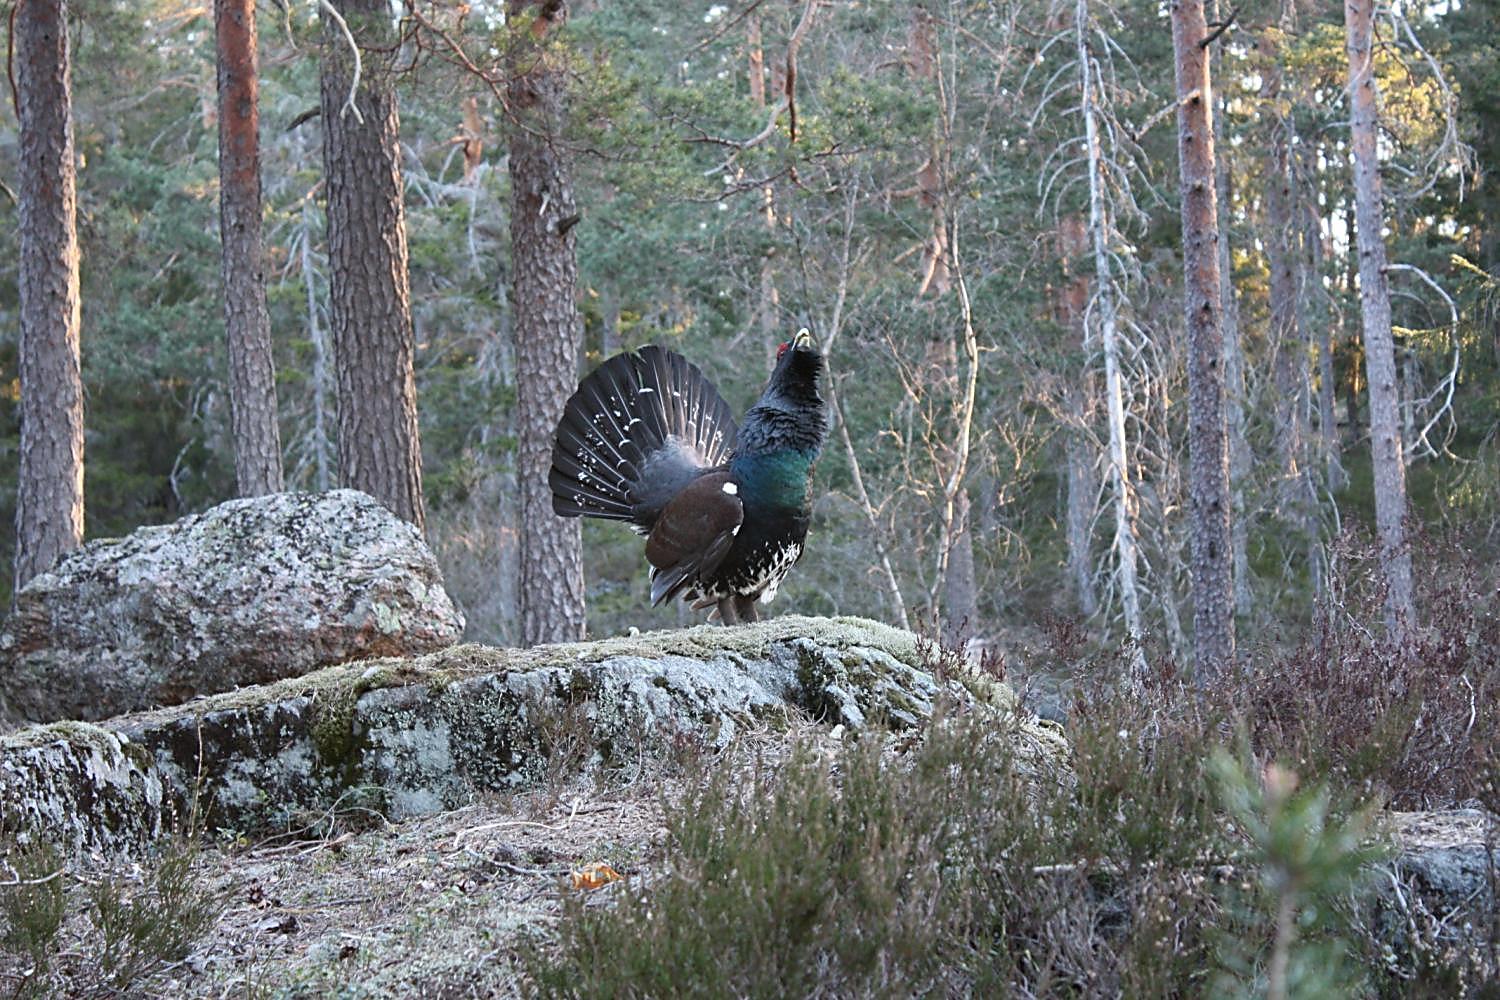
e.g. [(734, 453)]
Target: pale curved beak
[(804, 340)]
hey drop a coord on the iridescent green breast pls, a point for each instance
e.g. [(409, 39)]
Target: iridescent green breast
[(779, 479)]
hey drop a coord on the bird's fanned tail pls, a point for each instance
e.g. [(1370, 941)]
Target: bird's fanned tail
[(637, 430)]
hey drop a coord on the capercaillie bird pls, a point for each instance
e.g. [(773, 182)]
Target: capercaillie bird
[(647, 439)]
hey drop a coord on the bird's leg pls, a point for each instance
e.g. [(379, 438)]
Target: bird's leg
[(744, 606), (727, 613)]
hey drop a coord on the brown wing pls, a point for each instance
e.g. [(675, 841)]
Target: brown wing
[(693, 534)]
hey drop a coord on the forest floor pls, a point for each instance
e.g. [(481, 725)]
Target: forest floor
[(447, 905), (441, 906)]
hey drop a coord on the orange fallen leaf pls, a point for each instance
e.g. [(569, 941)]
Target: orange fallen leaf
[(595, 876)]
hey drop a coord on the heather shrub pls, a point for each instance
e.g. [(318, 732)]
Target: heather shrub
[(1414, 724), (103, 933), (1215, 841), (948, 870)]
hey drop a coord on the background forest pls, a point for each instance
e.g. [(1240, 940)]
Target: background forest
[(910, 181)]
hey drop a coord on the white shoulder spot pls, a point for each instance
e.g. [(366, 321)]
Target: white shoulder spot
[(731, 489)]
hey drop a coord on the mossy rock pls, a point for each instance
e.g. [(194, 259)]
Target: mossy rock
[(430, 733)]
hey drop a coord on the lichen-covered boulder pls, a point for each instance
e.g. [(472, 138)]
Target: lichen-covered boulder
[(247, 592), (1437, 895), (406, 737), (83, 788)]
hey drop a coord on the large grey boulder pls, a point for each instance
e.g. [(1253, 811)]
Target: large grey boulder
[(408, 737), (248, 592)]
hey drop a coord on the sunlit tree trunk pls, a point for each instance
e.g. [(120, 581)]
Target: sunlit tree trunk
[(49, 494), (1208, 474), (1375, 307), (374, 345), (544, 268), (247, 327)]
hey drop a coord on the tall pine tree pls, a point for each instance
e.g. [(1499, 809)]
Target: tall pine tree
[(247, 327), (544, 266), (1208, 446), (49, 501), (379, 446)]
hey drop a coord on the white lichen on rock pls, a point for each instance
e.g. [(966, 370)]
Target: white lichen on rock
[(81, 788), (247, 592), (412, 736)]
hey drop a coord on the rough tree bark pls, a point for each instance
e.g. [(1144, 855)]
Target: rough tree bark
[(961, 580), (544, 267), (1375, 308), (1208, 453), (49, 495), (1234, 399), (247, 327), (379, 447)]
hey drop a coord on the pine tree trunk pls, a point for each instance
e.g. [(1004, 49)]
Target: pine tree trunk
[(1290, 281), (1375, 308), (247, 327), (1328, 427), (49, 495), (1234, 396), (1352, 386), (1311, 446), (544, 268), (379, 445), (1083, 493), (1234, 359), (1282, 257), (1208, 453)]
